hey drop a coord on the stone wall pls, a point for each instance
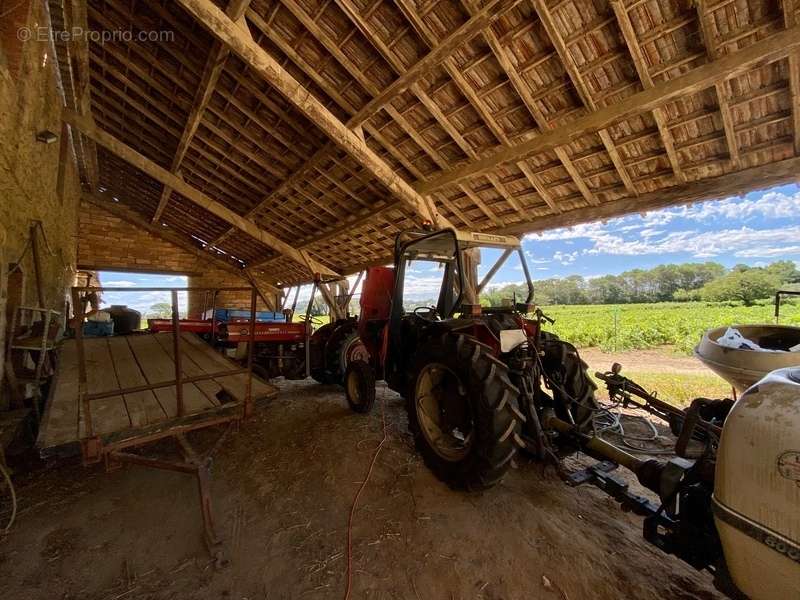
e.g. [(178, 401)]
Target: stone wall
[(29, 103)]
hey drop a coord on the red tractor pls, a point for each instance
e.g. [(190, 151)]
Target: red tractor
[(482, 382), (473, 377)]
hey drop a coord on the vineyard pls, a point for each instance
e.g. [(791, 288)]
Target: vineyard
[(636, 326)]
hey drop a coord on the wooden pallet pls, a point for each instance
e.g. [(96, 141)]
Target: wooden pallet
[(121, 362)]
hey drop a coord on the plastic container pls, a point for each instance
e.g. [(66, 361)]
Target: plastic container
[(743, 368), (125, 319), (757, 488), (232, 314)]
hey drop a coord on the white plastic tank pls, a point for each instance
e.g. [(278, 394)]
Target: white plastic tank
[(757, 488)]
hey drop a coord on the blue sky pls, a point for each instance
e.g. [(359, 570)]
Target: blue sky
[(755, 229), (141, 301)]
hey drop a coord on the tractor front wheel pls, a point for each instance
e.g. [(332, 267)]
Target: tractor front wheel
[(462, 412), (359, 386)]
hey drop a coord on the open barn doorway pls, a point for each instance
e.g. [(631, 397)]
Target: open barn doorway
[(149, 304)]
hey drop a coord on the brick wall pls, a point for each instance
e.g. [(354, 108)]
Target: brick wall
[(108, 242)]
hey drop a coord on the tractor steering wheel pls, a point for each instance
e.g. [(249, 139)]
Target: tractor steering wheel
[(430, 313)]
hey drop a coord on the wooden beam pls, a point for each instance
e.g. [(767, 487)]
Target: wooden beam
[(721, 87), (790, 8), (206, 13), (211, 72), (740, 182), (105, 202), (639, 62), (772, 48), (131, 156), (477, 22), (576, 77), (78, 49), (481, 19)]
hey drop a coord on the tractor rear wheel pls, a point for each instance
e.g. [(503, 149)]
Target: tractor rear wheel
[(462, 412), (359, 386), (341, 350)]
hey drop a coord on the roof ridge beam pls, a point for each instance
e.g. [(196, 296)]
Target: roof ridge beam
[(767, 50)]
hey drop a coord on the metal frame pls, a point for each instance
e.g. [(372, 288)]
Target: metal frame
[(111, 447), (45, 345), (778, 296)]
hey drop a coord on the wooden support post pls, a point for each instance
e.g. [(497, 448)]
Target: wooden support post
[(37, 263)]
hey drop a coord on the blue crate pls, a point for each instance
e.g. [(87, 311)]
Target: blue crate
[(228, 314), (98, 328)]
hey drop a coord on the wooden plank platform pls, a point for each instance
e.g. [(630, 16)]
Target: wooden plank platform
[(121, 362)]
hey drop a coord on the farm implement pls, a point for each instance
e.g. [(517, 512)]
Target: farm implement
[(283, 347), (482, 383)]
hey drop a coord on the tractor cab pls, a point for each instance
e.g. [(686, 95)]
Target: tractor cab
[(393, 327)]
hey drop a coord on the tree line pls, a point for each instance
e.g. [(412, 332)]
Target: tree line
[(685, 282)]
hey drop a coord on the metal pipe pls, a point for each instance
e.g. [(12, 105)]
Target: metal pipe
[(176, 347), (496, 267), (528, 280), (595, 445)]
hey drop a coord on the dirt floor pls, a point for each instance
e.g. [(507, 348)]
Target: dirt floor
[(283, 489)]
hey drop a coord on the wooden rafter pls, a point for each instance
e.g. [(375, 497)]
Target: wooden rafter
[(104, 201), (790, 9), (721, 88), (659, 113), (215, 63), (583, 91), (128, 154), (538, 185), (771, 174), (206, 13), (78, 49), (772, 48)]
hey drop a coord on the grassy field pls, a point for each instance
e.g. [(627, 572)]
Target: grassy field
[(637, 326)]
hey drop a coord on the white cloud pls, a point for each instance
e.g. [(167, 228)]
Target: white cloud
[(740, 242), (565, 258), (768, 252), (770, 205), (120, 283)]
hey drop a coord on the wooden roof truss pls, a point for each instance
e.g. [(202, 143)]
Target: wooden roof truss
[(298, 136)]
